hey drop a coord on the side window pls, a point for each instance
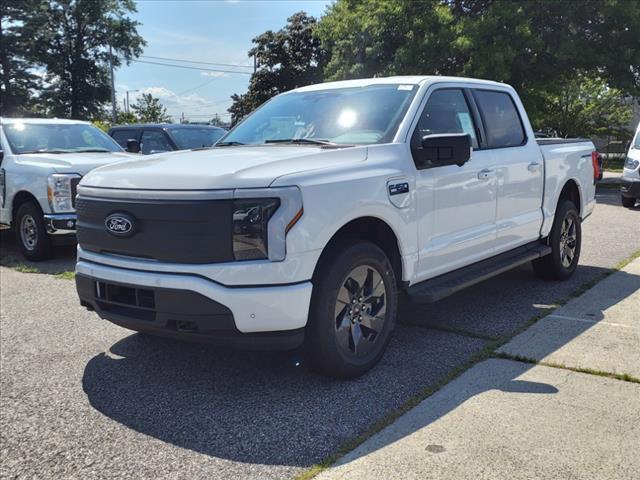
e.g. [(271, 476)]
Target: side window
[(500, 117), (121, 136), (447, 111), (154, 141)]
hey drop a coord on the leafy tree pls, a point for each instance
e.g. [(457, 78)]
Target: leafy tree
[(584, 106), (17, 57), (369, 38), (148, 109), (289, 58), (72, 42)]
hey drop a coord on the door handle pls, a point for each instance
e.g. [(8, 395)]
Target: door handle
[(486, 174), (534, 166)]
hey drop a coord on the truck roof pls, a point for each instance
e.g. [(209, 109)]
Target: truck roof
[(43, 121), (396, 80)]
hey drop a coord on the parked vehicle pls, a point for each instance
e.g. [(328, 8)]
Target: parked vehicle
[(307, 219), (156, 138), (630, 182), (41, 163)]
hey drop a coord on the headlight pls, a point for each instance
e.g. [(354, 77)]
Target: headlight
[(250, 232), (631, 164), (262, 218), (61, 190)]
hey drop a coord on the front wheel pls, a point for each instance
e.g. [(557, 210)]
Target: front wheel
[(34, 241), (628, 202), (353, 310), (565, 241)]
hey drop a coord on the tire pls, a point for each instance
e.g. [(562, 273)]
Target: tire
[(31, 233), (628, 202), (565, 241), (353, 310)]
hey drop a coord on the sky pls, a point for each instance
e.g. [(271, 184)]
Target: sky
[(213, 31)]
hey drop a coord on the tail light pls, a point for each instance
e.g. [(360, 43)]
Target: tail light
[(595, 160)]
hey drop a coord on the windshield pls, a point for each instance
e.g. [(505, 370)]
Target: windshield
[(636, 143), (344, 116), (187, 138), (58, 138)]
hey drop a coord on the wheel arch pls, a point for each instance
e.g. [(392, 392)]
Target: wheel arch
[(371, 229), (571, 191), (19, 199)]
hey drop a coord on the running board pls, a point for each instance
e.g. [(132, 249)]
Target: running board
[(444, 285)]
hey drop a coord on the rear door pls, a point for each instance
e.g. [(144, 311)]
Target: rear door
[(456, 205), (519, 166)]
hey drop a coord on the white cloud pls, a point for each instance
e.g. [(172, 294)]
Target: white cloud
[(214, 74), (190, 104)]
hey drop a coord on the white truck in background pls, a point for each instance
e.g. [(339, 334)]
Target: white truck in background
[(41, 163), (302, 225), (630, 181)]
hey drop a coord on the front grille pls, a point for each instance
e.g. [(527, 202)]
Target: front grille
[(74, 190), (164, 230)]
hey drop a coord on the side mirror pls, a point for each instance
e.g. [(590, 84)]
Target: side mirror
[(133, 146), (443, 149)]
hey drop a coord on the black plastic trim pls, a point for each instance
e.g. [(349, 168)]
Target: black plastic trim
[(442, 286), (180, 314)]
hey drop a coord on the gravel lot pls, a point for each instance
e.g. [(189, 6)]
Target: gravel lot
[(82, 398)]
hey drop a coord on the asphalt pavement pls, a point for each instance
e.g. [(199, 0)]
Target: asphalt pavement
[(82, 398)]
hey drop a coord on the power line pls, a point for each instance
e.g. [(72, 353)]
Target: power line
[(191, 68), (198, 62)]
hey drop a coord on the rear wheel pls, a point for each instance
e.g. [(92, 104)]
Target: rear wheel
[(34, 241), (565, 241), (353, 310), (628, 202)]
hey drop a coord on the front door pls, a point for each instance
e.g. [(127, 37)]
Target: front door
[(456, 205)]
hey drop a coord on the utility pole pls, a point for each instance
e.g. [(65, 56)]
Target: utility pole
[(255, 64), (113, 85), (128, 91)]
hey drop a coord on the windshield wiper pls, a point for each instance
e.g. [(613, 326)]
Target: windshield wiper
[(44, 150), (227, 144), (90, 150), (310, 141)]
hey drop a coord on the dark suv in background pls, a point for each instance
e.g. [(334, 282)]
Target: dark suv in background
[(165, 137)]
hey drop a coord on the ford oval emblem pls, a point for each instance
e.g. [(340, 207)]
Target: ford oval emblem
[(120, 224)]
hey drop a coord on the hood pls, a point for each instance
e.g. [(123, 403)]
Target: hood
[(220, 168), (81, 163)]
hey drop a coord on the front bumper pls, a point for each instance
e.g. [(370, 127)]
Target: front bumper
[(629, 188), (60, 223), (194, 308)]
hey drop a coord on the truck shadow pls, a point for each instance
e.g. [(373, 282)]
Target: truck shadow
[(10, 256), (264, 408)]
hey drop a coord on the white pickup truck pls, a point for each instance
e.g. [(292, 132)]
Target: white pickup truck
[(41, 163), (303, 224)]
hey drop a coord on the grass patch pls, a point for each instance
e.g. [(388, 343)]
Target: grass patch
[(625, 377), (68, 275), (23, 268), (487, 352)]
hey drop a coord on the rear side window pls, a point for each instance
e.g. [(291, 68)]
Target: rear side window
[(121, 136), (501, 120)]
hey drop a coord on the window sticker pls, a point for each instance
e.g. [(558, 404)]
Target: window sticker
[(466, 123), (405, 87)]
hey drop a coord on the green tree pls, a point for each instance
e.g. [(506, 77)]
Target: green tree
[(17, 57), (73, 40), (148, 109), (526, 44), (369, 38), (289, 58), (584, 106)]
